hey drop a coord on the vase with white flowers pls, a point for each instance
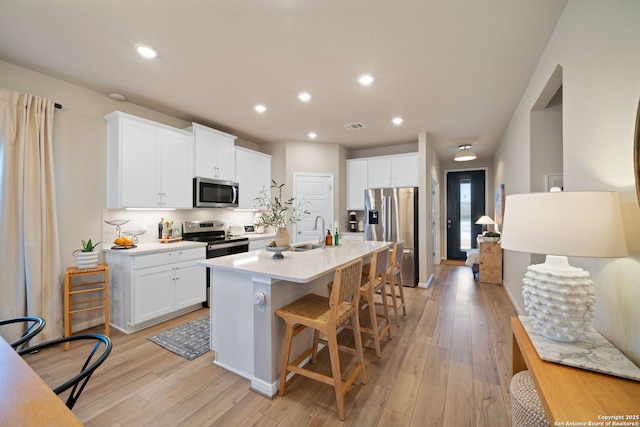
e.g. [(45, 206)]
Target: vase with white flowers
[(279, 212)]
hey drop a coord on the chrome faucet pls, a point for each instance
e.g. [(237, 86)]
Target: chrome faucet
[(315, 227)]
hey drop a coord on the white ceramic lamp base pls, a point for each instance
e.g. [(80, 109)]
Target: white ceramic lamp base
[(559, 298)]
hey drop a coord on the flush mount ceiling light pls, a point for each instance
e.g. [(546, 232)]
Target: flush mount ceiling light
[(146, 51), (365, 79), (117, 96), (464, 154), (260, 108), (313, 135), (304, 96), (397, 120)]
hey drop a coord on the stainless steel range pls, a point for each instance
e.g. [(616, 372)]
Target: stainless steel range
[(218, 244)]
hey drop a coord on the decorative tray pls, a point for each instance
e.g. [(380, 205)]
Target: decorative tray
[(170, 240)]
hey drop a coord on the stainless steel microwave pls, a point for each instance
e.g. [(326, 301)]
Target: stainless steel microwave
[(214, 193)]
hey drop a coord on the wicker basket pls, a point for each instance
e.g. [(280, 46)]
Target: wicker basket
[(526, 408)]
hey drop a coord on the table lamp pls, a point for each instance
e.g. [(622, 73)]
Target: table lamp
[(559, 298), (485, 220)]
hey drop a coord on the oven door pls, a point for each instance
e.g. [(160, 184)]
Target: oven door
[(214, 193), (222, 249)]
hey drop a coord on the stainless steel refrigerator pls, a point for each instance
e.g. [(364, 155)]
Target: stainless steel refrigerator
[(392, 216)]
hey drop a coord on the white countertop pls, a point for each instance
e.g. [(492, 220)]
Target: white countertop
[(146, 248), (301, 267)]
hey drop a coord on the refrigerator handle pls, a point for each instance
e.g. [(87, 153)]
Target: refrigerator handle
[(389, 220), (384, 218)]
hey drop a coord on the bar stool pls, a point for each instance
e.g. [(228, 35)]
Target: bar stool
[(82, 289), (394, 278), (374, 283), (326, 316)]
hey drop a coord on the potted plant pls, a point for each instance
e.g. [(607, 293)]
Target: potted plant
[(278, 213), (491, 236), (86, 257)]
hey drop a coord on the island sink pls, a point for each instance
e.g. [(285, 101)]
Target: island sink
[(305, 247)]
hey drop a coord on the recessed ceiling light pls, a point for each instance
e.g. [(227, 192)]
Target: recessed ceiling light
[(260, 108), (147, 51), (365, 79), (117, 96), (304, 96), (313, 135), (397, 120)]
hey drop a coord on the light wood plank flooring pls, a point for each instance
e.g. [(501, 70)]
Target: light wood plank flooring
[(448, 364)]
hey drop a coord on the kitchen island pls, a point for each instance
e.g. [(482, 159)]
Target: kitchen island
[(246, 291)]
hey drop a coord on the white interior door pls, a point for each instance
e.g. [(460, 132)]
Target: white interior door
[(317, 189)]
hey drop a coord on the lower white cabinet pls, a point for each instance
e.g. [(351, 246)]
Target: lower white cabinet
[(255, 244), (150, 288), (354, 236)]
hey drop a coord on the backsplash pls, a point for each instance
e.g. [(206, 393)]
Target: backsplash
[(148, 220)]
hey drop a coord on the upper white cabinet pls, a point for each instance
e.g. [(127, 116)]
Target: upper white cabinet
[(149, 165), (393, 171), (356, 183), (253, 172), (214, 153)]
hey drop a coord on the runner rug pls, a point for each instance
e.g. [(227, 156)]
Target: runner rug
[(188, 340)]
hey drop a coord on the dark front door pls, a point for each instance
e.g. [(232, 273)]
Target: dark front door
[(465, 204)]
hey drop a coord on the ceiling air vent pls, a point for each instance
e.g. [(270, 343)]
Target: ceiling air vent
[(353, 126)]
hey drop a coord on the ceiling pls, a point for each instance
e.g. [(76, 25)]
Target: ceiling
[(455, 69)]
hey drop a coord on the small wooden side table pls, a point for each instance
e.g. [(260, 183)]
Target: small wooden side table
[(574, 396), (490, 262), (82, 289)]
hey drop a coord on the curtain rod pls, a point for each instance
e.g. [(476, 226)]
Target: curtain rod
[(58, 106)]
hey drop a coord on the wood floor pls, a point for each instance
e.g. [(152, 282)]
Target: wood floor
[(448, 364)]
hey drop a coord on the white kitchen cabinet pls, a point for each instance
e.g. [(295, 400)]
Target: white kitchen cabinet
[(253, 173), (149, 165), (255, 244), (393, 171), (152, 293), (153, 287), (405, 170), (352, 236), (214, 153), (356, 183)]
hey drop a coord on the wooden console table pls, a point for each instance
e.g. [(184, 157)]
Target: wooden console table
[(25, 399), (571, 394)]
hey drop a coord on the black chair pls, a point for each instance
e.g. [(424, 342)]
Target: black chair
[(79, 381), (33, 326)]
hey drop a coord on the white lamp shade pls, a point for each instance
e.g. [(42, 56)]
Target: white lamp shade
[(582, 224), (485, 220)]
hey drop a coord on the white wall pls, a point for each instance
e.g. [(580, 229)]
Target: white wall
[(596, 43)]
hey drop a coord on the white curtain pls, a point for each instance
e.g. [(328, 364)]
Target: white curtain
[(30, 276)]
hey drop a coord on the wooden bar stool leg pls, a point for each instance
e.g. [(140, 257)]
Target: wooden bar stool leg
[(374, 323), (316, 339), (286, 354), (106, 301), (357, 337), (394, 299), (332, 341), (67, 308), (401, 290), (385, 309)]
